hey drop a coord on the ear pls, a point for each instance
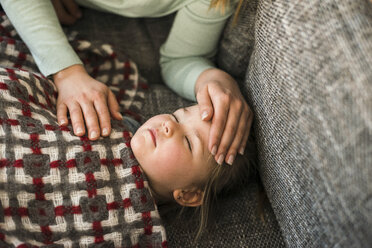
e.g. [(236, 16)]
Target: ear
[(189, 198)]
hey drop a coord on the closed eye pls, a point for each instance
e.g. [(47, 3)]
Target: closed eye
[(174, 117), (187, 139), (188, 142)]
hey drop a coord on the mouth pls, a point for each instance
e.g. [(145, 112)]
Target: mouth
[(153, 135)]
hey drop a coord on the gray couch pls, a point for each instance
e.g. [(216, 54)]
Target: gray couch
[(306, 71)]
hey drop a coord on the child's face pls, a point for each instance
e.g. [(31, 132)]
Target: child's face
[(172, 150)]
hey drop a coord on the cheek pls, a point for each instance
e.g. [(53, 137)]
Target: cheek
[(169, 168), (137, 145), (171, 159), (173, 155)]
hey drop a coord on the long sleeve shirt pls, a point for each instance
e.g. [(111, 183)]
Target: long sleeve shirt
[(187, 52)]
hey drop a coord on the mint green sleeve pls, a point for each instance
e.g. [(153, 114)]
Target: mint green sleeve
[(38, 26), (190, 46)]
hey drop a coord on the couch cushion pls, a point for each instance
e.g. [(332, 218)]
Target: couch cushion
[(309, 84)]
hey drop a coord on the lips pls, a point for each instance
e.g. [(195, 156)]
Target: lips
[(153, 135)]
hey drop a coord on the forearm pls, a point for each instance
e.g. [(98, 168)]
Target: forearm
[(38, 26), (191, 46)]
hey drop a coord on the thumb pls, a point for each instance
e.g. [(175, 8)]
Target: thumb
[(205, 104), (113, 106)]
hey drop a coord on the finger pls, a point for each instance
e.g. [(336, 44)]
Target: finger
[(76, 117), (242, 129), (72, 8), (247, 132), (114, 106), (229, 132), (91, 119), (205, 104), (103, 116), (62, 114), (63, 16), (221, 105)]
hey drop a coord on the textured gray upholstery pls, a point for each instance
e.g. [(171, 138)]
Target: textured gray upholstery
[(309, 83)]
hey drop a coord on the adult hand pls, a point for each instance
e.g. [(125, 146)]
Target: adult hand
[(67, 11), (85, 99), (221, 101)]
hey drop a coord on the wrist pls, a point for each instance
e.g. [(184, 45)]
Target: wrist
[(213, 74), (68, 71)]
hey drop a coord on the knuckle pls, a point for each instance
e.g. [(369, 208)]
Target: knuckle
[(233, 150), (225, 98), (103, 112), (83, 97), (62, 99), (90, 119), (222, 148), (230, 129), (74, 111), (103, 88), (76, 123), (239, 105), (98, 95), (216, 135)]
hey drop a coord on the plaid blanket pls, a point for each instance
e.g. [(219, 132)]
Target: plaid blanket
[(60, 190)]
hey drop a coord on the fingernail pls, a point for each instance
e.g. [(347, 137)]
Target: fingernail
[(79, 130), (93, 135), (120, 116), (105, 132), (214, 150), (220, 159), (204, 115), (230, 161), (241, 151), (62, 122)]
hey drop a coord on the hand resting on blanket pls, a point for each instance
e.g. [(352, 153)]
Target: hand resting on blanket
[(87, 100)]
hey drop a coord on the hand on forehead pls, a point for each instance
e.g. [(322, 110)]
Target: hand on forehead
[(190, 118)]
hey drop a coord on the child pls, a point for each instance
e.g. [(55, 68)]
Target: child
[(172, 151), (185, 61)]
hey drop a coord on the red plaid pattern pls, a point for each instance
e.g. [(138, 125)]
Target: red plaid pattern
[(59, 189)]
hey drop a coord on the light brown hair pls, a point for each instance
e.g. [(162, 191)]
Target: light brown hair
[(224, 179), (223, 4)]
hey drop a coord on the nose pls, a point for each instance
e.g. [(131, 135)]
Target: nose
[(168, 127)]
